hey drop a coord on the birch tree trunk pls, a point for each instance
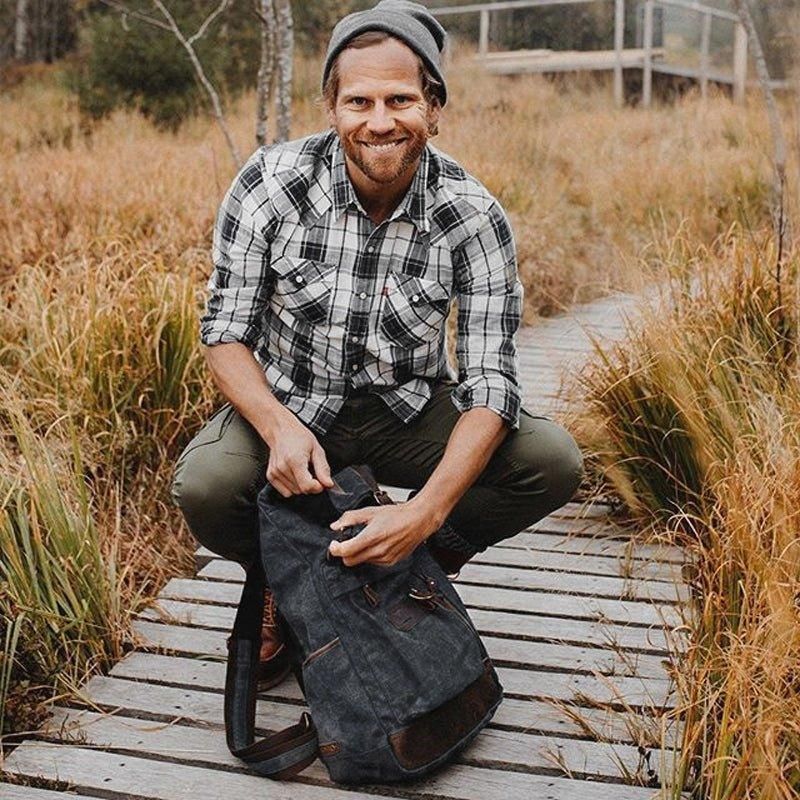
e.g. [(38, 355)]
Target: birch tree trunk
[(285, 57), (266, 14), (21, 30)]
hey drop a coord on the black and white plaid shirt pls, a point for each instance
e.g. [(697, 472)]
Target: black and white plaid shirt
[(329, 302)]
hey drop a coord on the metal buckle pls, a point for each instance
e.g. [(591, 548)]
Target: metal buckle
[(424, 594)]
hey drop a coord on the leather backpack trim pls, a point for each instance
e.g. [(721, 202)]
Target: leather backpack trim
[(430, 736)]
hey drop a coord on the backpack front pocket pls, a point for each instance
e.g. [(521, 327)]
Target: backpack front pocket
[(416, 666)]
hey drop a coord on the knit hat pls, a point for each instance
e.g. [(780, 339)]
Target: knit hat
[(409, 22)]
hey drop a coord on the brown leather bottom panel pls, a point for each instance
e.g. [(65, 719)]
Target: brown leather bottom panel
[(433, 734)]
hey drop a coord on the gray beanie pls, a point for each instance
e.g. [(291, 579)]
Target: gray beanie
[(409, 22)]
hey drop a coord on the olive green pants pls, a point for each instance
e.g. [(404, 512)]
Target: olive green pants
[(534, 471)]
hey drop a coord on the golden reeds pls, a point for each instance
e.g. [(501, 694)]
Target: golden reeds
[(695, 419)]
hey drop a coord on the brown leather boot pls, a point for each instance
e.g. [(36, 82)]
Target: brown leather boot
[(274, 663)]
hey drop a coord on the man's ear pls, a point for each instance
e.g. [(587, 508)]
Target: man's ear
[(433, 113), (331, 116)]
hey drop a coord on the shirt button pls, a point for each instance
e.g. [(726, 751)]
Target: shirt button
[(371, 248), (354, 367), (363, 295), (415, 298), (354, 338), (298, 279)]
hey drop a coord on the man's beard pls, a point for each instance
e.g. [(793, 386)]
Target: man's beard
[(412, 149)]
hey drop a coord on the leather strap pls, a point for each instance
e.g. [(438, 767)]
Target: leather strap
[(282, 754)]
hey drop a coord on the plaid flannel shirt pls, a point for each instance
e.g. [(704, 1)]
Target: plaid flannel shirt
[(330, 302)]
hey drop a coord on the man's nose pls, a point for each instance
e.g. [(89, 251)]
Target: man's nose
[(380, 119)]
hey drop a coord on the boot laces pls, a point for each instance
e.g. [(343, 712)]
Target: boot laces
[(270, 610)]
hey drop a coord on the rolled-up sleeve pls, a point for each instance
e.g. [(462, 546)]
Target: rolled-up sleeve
[(489, 296), (242, 279)]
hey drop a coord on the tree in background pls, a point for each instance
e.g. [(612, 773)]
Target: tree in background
[(275, 68), (142, 54), (137, 54), (37, 30)]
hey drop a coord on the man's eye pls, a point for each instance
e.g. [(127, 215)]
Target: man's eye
[(400, 99), (357, 101)]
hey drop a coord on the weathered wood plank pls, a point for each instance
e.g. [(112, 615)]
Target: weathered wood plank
[(586, 527), (553, 715), (639, 692), (509, 652), (628, 612), (493, 748), (633, 568), (588, 510), (146, 778), (588, 585), (533, 61), (630, 569), (520, 626), (610, 547), (10, 791), (164, 780), (510, 577)]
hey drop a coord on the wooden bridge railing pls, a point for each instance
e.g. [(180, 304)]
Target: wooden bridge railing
[(709, 13)]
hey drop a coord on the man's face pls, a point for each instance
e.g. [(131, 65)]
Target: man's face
[(380, 113)]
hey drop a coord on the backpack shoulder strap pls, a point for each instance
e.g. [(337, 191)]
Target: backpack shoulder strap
[(280, 755)]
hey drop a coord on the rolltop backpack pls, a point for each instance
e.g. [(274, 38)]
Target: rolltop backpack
[(395, 675)]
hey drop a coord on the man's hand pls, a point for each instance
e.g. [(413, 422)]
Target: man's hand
[(292, 446), (392, 533), (292, 449)]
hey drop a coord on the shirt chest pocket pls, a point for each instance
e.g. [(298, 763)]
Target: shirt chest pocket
[(412, 309), (305, 287)]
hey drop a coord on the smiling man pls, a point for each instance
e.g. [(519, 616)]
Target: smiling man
[(336, 258)]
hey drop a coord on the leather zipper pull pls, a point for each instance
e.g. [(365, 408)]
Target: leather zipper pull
[(371, 595)]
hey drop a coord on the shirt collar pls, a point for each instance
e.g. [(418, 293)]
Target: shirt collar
[(415, 204)]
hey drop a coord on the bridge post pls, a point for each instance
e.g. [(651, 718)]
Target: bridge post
[(705, 46), (619, 43), (647, 76), (483, 37), (739, 63)]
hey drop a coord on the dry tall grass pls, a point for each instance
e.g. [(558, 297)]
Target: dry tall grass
[(695, 418), (587, 186), (104, 239)]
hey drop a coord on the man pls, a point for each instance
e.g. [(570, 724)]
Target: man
[(336, 257)]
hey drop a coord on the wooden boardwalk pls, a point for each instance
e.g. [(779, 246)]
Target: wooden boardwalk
[(648, 55), (576, 615)]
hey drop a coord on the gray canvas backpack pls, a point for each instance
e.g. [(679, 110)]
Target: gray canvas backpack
[(395, 675)]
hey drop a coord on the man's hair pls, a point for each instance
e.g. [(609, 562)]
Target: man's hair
[(430, 85)]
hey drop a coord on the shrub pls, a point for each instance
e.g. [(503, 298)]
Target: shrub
[(136, 65)]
